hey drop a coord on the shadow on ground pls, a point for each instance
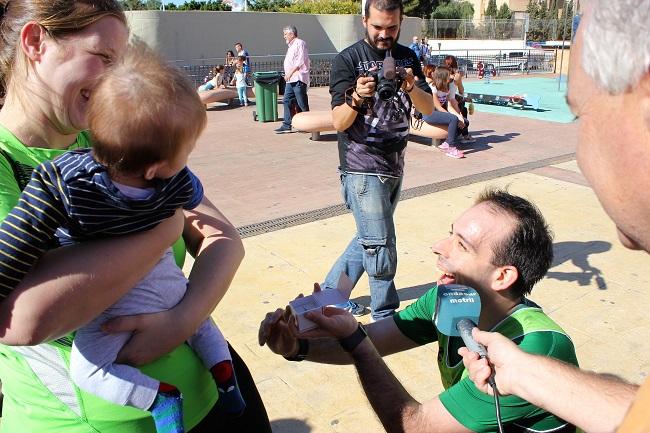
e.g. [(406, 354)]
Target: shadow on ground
[(290, 425), (405, 293), (578, 253)]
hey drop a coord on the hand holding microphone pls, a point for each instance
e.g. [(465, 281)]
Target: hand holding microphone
[(458, 309)]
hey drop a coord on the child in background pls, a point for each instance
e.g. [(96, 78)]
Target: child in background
[(134, 177), (215, 82), (239, 80), (446, 110), (457, 75)]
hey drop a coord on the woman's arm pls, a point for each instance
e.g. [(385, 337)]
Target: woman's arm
[(71, 285), (458, 80), (218, 249)]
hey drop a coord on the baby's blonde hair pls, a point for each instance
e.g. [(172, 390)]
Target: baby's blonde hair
[(142, 112)]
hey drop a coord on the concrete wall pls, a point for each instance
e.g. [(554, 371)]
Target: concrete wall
[(199, 37)]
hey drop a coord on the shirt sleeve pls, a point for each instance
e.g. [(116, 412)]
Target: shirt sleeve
[(9, 190), (29, 228), (417, 320), (342, 78), (475, 410), (197, 191)]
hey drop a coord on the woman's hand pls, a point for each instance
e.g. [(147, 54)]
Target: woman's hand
[(154, 335)]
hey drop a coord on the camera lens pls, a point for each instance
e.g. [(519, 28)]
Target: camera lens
[(386, 90)]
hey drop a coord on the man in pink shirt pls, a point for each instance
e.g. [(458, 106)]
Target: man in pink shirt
[(296, 74)]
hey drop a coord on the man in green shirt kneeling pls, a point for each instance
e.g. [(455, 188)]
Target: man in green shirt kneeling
[(501, 247)]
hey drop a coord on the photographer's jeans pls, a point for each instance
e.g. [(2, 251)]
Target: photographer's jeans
[(372, 200), (296, 91)]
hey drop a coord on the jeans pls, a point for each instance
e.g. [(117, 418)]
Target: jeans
[(373, 250), (241, 92), (442, 118), (296, 91)]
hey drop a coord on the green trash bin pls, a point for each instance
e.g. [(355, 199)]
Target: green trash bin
[(266, 95)]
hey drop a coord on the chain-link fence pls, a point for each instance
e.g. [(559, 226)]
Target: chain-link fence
[(537, 30), (526, 61), (319, 74)]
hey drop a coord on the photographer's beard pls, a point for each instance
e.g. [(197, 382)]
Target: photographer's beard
[(382, 44)]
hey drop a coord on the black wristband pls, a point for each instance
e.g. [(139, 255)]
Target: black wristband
[(303, 348), (351, 342)]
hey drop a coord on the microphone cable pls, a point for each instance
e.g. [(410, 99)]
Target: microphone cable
[(497, 406)]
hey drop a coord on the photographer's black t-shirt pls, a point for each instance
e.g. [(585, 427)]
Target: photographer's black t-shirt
[(376, 141)]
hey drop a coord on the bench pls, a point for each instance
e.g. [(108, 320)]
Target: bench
[(321, 121), (520, 101), (223, 95)]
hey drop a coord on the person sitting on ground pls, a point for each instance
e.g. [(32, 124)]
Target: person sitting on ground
[(501, 247), (452, 63), (239, 81), (216, 82), (446, 110), (124, 186)]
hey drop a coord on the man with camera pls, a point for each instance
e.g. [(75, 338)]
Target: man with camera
[(374, 84)]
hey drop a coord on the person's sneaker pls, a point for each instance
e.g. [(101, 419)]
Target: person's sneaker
[(282, 129), (356, 309), (444, 146), (453, 152)]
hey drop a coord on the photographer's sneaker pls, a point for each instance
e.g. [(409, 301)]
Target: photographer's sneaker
[(356, 309)]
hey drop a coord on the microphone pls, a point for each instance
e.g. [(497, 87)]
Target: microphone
[(389, 66), (458, 308)]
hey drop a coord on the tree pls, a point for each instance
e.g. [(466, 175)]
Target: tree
[(209, 5), (504, 12), (340, 7), (491, 10), (453, 10), (132, 5), (153, 5), (268, 5), (419, 8)]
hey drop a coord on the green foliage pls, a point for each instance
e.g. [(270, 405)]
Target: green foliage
[(454, 10), (491, 10), (419, 8), (340, 7), (504, 12), (268, 5), (209, 5), (132, 5)]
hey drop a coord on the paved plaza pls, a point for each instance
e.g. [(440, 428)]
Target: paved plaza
[(283, 192)]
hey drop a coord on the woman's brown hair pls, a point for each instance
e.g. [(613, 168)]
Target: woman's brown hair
[(441, 78), (59, 18)]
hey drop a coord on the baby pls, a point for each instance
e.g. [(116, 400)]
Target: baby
[(145, 119)]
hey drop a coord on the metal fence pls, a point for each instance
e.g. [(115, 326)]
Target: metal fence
[(536, 30), (527, 61)]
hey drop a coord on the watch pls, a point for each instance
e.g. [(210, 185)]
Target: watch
[(301, 355), (351, 342)]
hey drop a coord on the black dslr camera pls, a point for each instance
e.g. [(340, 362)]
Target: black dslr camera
[(389, 78)]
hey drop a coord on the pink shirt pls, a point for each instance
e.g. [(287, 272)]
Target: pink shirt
[(297, 56)]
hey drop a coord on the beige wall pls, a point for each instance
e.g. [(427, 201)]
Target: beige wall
[(195, 37)]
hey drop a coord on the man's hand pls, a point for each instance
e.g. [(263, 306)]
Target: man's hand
[(504, 357), (365, 86), (461, 122), (332, 322), (409, 80), (277, 331)]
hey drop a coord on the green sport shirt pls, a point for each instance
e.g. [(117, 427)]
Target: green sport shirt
[(39, 395), (528, 327)]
